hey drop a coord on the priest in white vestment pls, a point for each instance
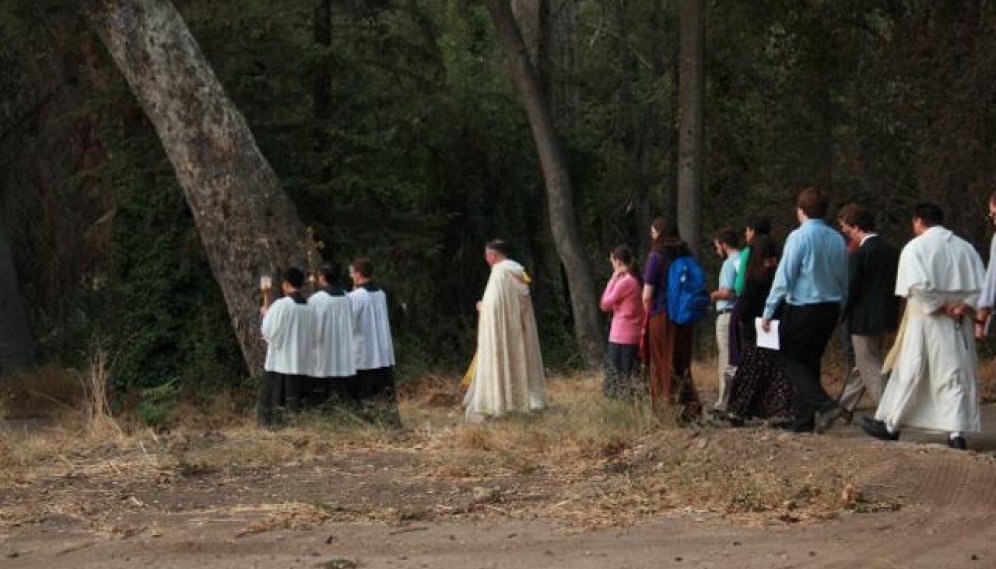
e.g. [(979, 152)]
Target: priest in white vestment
[(508, 376), (373, 348), (335, 365), (933, 383), (288, 328)]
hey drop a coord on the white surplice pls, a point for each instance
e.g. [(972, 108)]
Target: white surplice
[(508, 376), (372, 344), (288, 329), (933, 384), (333, 335)]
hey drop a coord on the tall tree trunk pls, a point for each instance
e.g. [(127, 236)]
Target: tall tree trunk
[(563, 223), (15, 337), (321, 88), (691, 88), (247, 223), (533, 18)]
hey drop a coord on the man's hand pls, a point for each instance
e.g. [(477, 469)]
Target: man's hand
[(766, 324)]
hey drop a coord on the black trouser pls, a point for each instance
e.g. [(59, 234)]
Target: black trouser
[(277, 391), (804, 333), (375, 390), (620, 362)]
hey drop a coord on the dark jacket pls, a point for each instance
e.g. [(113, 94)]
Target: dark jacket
[(872, 304)]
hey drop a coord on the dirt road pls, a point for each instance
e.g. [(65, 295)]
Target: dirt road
[(946, 520)]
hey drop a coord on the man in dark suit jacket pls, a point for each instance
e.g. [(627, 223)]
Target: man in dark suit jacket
[(872, 309)]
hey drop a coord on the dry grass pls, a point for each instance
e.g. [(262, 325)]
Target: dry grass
[(586, 461)]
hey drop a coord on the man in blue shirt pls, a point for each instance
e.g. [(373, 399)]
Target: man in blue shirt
[(812, 280), (728, 249)]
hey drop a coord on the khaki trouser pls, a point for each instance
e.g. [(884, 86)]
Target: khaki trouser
[(869, 351), (724, 371)]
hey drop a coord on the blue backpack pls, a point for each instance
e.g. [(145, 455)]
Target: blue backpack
[(687, 299)]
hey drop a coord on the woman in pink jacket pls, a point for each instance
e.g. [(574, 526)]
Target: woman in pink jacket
[(622, 297)]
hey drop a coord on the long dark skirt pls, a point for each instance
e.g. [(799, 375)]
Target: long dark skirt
[(760, 389)]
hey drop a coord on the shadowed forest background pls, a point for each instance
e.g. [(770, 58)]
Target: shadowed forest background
[(394, 128)]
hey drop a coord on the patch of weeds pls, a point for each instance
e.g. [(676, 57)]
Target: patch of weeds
[(747, 500), (412, 514), (339, 564), (191, 469), (863, 505), (157, 404)]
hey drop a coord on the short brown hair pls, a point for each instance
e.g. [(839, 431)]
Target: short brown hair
[(364, 266), (860, 217), (812, 203), (727, 236)]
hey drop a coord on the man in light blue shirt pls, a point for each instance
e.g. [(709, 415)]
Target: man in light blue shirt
[(812, 281), (727, 247)]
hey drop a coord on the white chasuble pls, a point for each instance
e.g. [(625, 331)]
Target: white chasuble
[(333, 335), (509, 375), (933, 383), (288, 329), (372, 344)]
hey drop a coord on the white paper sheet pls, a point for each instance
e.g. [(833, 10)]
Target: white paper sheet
[(767, 339)]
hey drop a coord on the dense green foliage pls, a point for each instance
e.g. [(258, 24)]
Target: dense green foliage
[(418, 151)]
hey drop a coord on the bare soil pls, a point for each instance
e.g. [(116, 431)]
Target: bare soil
[(518, 493)]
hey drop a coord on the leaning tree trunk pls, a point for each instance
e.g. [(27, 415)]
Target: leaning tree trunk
[(15, 338), (566, 235), (691, 88), (248, 225)]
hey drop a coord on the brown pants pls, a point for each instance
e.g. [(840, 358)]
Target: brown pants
[(670, 348)]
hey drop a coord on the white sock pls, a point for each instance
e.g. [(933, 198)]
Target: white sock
[(955, 434)]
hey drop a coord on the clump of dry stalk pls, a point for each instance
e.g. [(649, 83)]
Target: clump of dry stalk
[(99, 423)]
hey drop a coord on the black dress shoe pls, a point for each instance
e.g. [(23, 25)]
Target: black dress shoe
[(957, 443), (877, 429)]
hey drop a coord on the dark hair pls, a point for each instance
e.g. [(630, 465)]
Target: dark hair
[(625, 256), (294, 277), (761, 247), (727, 236), (364, 266), (930, 214), (661, 225), (812, 203), (498, 246), (853, 214), (759, 225), (331, 273)]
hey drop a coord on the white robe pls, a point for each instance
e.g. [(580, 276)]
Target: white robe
[(288, 329), (509, 375), (333, 335), (372, 344), (933, 384)]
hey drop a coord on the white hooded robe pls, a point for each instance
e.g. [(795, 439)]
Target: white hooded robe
[(933, 384), (508, 376)]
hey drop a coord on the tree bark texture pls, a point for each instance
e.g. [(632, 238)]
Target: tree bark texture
[(549, 29), (563, 222), (247, 223), (691, 89), (15, 337)]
